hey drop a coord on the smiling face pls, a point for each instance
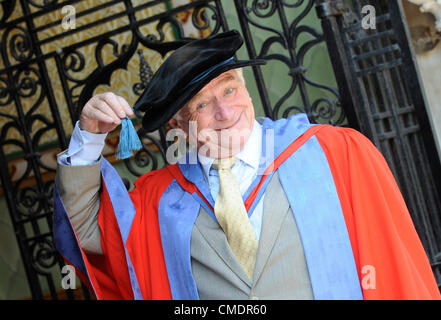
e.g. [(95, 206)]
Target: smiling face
[(220, 116)]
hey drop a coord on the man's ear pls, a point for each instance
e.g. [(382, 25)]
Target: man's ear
[(174, 124)]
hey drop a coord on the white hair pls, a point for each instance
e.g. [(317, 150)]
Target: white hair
[(239, 72)]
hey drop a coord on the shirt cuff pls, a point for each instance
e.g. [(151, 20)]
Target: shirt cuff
[(84, 148)]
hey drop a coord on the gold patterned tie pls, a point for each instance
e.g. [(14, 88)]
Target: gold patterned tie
[(232, 216)]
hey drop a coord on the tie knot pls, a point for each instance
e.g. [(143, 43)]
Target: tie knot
[(224, 164)]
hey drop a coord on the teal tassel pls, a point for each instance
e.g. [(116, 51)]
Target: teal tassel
[(128, 140)]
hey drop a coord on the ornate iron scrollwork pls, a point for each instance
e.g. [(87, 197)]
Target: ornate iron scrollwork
[(145, 74), (253, 15)]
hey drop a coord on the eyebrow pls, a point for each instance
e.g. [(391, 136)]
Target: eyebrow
[(226, 78)]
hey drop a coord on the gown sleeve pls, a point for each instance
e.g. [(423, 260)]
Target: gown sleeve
[(126, 235), (142, 246)]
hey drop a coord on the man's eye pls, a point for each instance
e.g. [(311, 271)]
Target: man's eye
[(229, 91), (202, 105)]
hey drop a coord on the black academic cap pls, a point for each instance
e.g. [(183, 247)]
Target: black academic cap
[(185, 72)]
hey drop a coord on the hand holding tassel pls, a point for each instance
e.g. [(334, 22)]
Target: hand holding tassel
[(103, 113)]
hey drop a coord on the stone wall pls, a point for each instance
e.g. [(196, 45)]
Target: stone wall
[(426, 38)]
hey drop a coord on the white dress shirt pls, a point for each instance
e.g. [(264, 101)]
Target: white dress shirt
[(85, 148)]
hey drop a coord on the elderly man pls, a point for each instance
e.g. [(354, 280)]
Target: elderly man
[(259, 209)]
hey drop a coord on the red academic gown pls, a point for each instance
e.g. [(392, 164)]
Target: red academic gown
[(379, 226)]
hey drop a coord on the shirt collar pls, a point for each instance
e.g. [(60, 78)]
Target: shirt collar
[(250, 153)]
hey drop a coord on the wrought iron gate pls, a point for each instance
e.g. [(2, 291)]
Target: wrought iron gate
[(378, 93)]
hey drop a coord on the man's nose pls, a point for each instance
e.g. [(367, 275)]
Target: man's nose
[(223, 110)]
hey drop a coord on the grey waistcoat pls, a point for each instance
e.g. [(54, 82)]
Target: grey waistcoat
[(280, 271)]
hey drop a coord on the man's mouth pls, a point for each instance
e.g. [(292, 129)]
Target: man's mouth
[(233, 125)]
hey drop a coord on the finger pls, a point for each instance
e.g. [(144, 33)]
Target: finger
[(114, 103), (96, 114), (125, 105), (105, 108)]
